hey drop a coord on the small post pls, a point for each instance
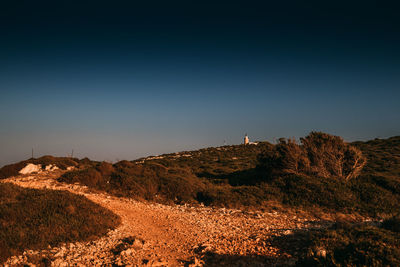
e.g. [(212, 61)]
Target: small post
[(72, 154), (32, 152)]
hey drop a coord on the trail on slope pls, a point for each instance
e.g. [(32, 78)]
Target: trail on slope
[(160, 235)]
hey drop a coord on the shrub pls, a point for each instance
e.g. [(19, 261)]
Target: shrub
[(304, 191), (11, 170), (319, 154), (351, 245), (234, 196), (60, 162), (287, 156), (228, 176), (150, 181), (392, 224), (58, 216)]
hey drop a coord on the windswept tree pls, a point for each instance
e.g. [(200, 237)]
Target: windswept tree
[(318, 154)]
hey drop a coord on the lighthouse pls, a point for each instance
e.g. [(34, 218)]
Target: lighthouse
[(246, 140)]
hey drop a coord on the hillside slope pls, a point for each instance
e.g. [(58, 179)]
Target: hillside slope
[(60, 162), (228, 176), (280, 230), (38, 218), (153, 234)]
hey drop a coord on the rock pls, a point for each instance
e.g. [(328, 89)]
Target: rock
[(126, 252), (59, 254), (51, 168), (288, 232), (30, 168), (137, 244), (59, 263)]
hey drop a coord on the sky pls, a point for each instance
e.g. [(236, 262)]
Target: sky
[(117, 80)]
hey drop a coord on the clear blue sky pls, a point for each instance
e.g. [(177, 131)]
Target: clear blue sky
[(115, 80)]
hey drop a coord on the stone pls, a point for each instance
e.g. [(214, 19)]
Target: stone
[(30, 168), (288, 232), (51, 168), (59, 263), (137, 244), (126, 252)]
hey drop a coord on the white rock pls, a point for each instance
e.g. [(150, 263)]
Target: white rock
[(30, 168), (51, 167)]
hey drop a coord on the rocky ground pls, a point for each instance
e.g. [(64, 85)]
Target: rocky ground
[(159, 235)]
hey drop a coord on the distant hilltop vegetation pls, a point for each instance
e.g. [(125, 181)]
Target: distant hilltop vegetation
[(213, 160)]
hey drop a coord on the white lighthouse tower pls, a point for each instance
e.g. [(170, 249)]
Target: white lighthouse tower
[(246, 140)]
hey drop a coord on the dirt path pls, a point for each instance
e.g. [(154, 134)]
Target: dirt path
[(160, 235)]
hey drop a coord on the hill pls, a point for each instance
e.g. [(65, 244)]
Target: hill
[(60, 162), (229, 176), (235, 177)]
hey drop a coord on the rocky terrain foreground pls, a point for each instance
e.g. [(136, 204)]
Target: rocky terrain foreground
[(160, 235)]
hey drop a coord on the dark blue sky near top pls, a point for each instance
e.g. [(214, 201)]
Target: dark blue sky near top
[(120, 80)]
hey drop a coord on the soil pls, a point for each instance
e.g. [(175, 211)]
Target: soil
[(153, 234)]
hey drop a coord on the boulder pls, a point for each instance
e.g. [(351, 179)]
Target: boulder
[(30, 168)]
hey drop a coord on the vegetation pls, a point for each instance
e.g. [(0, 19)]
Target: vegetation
[(13, 169), (143, 181), (188, 177), (354, 245), (58, 216), (61, 162), (319, 154), (322, 172), (239, 176)]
